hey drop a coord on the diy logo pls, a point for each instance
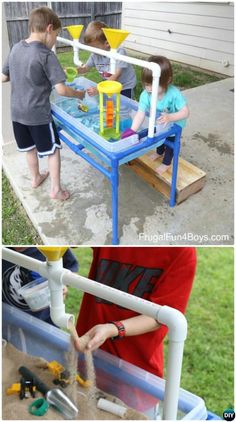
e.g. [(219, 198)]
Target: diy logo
[(229, 415)]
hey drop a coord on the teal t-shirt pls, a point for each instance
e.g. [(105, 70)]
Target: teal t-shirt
[(171, 102)]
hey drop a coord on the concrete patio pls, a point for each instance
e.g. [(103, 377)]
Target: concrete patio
[(144, 215)]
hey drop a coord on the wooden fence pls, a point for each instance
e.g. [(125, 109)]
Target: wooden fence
[(70, 13)]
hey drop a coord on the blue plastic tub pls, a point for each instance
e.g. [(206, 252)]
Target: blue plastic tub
[(213, 417), (136, 387)]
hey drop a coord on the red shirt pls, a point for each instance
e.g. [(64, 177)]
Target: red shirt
[(163, 275)]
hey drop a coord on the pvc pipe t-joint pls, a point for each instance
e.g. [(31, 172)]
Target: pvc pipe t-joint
[(57, 306)]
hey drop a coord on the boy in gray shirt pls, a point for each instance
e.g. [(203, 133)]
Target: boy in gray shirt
[(34, 70), (125, 73)]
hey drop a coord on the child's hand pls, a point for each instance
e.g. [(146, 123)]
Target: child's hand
[(164, 119), (92, 91), (127, 133), (98, 335), (80, 94)]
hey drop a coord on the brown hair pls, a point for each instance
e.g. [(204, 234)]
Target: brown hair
[(94, 32), (166, 72), (41, 17)]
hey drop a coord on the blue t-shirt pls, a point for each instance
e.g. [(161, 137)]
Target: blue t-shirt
[(171, 102)]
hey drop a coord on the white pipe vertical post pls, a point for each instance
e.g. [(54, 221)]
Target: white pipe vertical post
[(173, 375), (113, 61), (153, 108), (55, 284)]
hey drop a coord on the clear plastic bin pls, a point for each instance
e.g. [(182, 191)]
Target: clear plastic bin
[(136, 387), (85, 122)]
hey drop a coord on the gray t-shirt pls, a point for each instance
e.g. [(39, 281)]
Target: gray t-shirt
[(102, 64), (33, 70)]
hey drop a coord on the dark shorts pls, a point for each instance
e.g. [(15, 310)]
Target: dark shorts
[(128, 93), (42, 137)]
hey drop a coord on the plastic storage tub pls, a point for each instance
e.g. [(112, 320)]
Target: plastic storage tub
[(36, 294), (67, 111), (136, 387)]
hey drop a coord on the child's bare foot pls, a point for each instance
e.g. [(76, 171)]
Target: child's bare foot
[(154, 156), (162, 169), (62, 195), (40, 179)]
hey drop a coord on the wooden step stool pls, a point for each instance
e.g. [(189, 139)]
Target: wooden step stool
[(190, 178)]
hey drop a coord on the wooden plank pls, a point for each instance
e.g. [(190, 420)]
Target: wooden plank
[(190, 178)]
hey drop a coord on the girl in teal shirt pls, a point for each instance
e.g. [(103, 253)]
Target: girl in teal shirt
[(171, 106)]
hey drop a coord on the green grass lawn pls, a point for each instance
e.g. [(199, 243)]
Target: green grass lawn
[(17, 228), (208, 357)]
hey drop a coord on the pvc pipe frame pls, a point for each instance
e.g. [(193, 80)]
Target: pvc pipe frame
[(175, 321), (113, 55)]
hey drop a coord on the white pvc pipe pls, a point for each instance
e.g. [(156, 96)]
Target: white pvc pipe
[(173, 375), (25, 261), (113, 61), (111, 407), (172, 318), (114, 56), (55, 284)]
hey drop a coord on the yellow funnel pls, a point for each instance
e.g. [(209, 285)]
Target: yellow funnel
[(74, 30), (115, 36), (52, 253), (109, 87)]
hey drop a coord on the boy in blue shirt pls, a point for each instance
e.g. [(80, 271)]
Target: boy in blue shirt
[(171, 104), (33, 70)]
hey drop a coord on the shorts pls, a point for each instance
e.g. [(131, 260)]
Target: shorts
[(42, 137)]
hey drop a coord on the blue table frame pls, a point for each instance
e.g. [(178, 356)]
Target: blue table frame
[(115, 159)]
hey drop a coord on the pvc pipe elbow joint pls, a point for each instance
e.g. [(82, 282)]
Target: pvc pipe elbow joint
[(155, 69), (76, 59), (60, 317), (175, 321)]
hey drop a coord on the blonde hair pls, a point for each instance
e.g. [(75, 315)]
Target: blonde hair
[(94, 32), (41, 17)]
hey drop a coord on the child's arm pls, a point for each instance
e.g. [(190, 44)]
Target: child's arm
[(174, 117), (137, 325), (138, 120), (5, 78), (116, 75), (66, 91)]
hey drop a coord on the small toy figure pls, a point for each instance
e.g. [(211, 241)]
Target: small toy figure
[(63, 376), (27, 388), (83, 108)]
